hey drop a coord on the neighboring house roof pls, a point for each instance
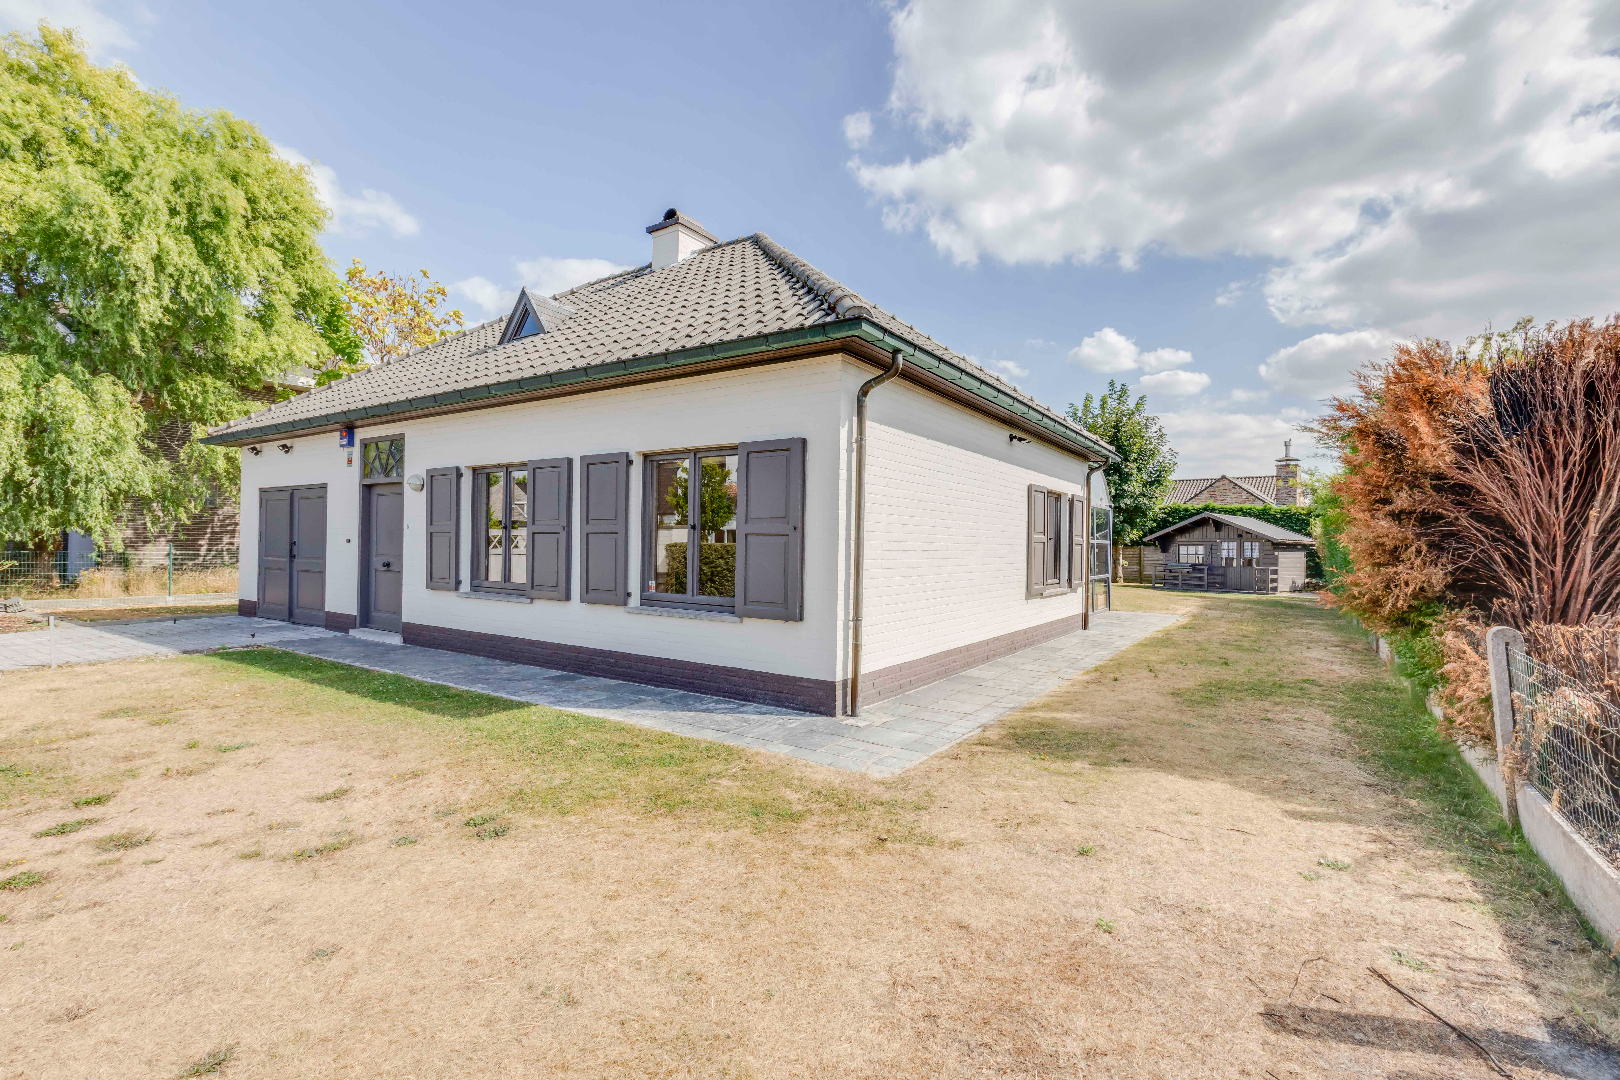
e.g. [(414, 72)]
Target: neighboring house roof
[(743, 297), (1274, 533), (1185, 492)]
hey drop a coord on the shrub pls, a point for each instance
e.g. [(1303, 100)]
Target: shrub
[(717, 568)]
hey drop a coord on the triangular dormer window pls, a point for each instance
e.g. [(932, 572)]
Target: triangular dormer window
[(524, 321), (533, 315)]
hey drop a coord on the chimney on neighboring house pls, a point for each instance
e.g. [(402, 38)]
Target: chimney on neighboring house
[(1289, 493), (676, 237)]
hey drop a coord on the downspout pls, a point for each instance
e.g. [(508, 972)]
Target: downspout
[(895, 364), (1085, 582)]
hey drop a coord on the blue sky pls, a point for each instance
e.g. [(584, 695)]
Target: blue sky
[(1230, 213)]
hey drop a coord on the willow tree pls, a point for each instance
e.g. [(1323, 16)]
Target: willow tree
[(157, 266)]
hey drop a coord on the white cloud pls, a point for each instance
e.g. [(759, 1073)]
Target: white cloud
[(1175, 383), (548, 276), (1229, 295), (1321, 365), (353, 215), (103, 33), (486, 294), (858, 129), (1108, 352), (1007, 369), (1424, 167), (1236, 443), (543, 276)]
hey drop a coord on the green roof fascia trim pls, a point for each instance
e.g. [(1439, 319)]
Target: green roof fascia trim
[(984, 389), (763, 343)]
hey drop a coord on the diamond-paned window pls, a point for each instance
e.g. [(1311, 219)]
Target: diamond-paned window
[(383, 458)]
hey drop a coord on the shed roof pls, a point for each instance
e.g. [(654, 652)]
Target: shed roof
[(1274, 533), (1263, 488), (742, 297)]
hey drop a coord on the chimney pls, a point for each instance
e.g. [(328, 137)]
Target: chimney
[(676, 237), (1289, 493)]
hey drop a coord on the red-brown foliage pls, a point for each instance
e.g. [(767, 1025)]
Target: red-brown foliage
[(1486, 477)]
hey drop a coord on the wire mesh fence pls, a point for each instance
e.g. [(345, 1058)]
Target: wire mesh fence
[(91, 573), (1567, 746)]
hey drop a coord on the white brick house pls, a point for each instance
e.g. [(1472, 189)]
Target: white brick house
[(521, 490)]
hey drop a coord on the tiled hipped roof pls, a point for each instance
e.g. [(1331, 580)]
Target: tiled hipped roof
[(728, 293), (1185, 492)]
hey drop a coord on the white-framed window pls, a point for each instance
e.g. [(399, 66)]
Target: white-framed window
[(1251, 552), (1228, 551), (1190, 553)]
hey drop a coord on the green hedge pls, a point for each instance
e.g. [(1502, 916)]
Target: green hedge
[(717, 568)]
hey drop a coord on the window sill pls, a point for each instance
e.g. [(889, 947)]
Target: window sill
[(505, 598), (684, 613)]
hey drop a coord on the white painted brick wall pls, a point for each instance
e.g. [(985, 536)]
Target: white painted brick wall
[(783, 400), (947, 513)]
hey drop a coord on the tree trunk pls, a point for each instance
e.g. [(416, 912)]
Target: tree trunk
[(45, 549)]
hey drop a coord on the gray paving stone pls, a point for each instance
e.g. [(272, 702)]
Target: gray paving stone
[(896, 735)]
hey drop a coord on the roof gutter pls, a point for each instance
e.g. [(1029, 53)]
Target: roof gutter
[(855, 328)]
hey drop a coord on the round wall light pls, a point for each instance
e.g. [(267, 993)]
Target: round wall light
[(414, 481)]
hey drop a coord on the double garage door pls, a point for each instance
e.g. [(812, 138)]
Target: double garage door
[(292, 554)]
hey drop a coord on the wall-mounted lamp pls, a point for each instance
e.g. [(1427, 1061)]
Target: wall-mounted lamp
[(285, 448), (1016, 438), (414, 481), (255, 450)]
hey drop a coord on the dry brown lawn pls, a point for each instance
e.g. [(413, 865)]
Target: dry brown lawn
[(1180, 865)]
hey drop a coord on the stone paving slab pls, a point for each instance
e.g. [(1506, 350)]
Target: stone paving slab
[(885, 740), (132, 641)]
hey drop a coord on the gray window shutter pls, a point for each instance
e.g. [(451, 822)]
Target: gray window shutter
[(770, 530), (443, 528), (1077, 542), (604, 527), (1037, 542), (551, 511)]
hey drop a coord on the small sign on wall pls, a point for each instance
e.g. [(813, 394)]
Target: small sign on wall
[(346, 437)]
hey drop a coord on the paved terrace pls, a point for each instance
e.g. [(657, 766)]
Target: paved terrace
[(887, 738)]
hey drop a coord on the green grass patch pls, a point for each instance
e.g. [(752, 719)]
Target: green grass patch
[(124, 841), (341, 843), (568, 763), (67, 827), (94, 800), (328, 796), (25, 879), (211, 1064), (1061, 740)]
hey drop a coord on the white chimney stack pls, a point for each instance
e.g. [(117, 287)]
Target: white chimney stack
[(676, 237)]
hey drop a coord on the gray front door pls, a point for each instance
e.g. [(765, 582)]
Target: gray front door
[(292, 554), (385, 550), (309, 556), (275, 553)]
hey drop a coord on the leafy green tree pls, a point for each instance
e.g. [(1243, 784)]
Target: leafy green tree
[(156, 265), (1140, 481), (717, 489)]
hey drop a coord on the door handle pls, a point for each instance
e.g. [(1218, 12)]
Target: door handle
[(388, 566)]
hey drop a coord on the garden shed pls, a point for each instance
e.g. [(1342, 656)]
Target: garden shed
[(1226, 553)]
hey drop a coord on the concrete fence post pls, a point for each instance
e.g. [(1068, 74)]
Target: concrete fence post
[(1498, 640)]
